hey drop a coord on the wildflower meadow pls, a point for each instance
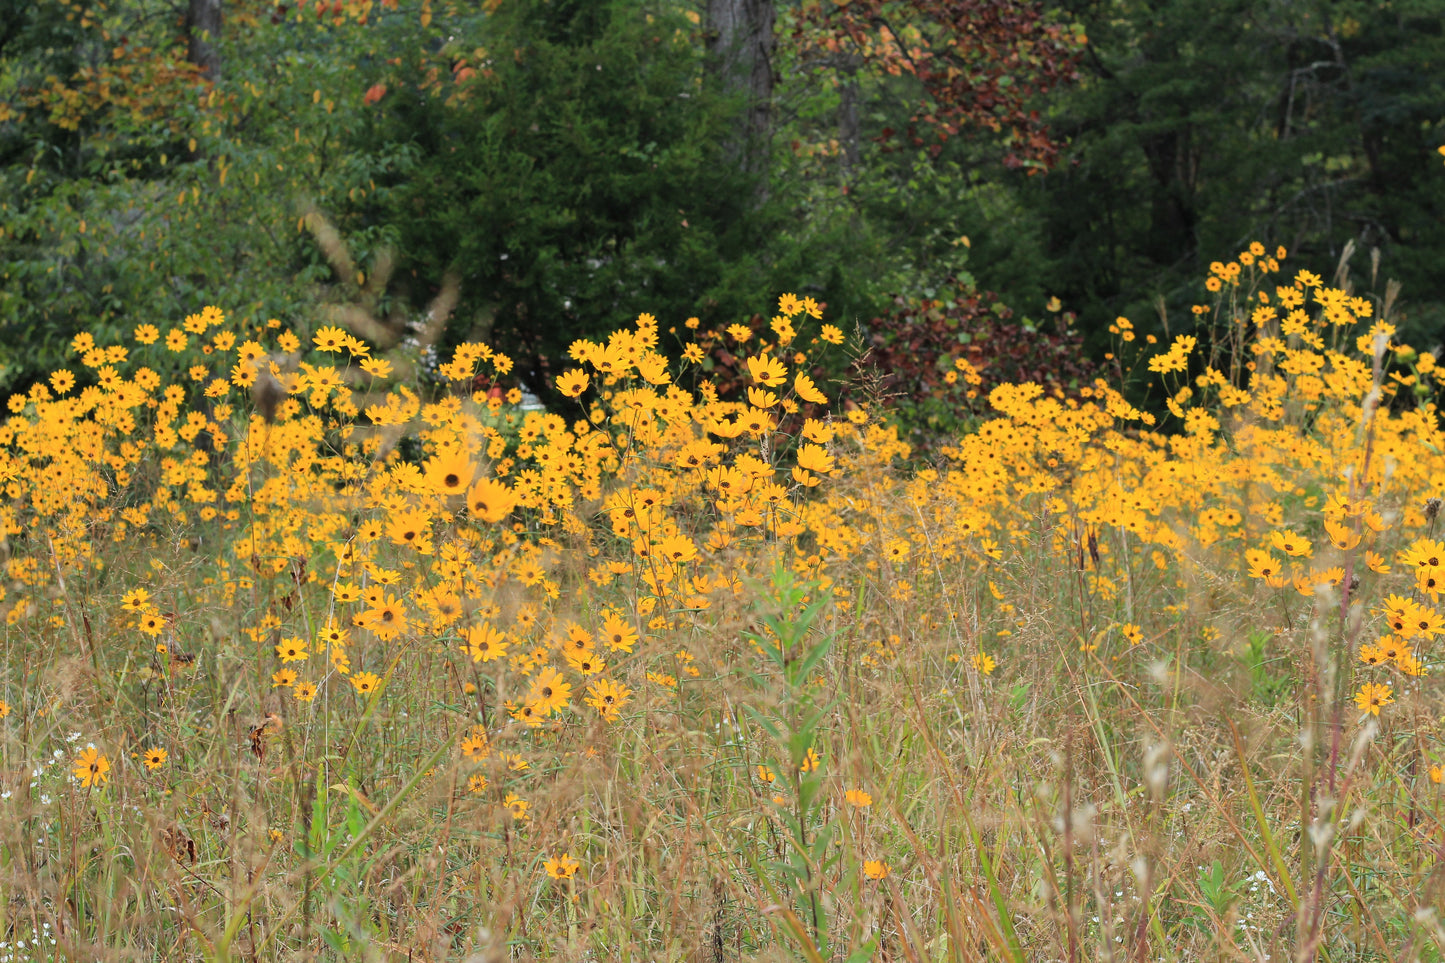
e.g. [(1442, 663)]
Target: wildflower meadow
[(307, 657)]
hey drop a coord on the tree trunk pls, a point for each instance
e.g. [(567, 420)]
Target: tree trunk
[(849, 126), (740, 41), (203, 34), (1173, 219)]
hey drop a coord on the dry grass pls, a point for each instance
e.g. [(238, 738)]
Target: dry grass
[(1054, 716)]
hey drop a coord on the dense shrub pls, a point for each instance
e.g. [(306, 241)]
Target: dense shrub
[(936, 358)]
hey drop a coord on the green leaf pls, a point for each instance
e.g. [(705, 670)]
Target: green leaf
[(819, 847), (865, 952), (818, 651), (768, 725), (808, 788)]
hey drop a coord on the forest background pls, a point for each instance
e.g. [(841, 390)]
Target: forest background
[(997, 177)]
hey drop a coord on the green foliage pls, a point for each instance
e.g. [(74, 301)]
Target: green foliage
[(790, 714), (1267, 684), (1219, 895), (144, 192), (347, 920), (567, 163), (1201, 125), (575, 181)]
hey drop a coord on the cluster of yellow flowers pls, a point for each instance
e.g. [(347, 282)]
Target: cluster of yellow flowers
[(554, 564), (355, 562)]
